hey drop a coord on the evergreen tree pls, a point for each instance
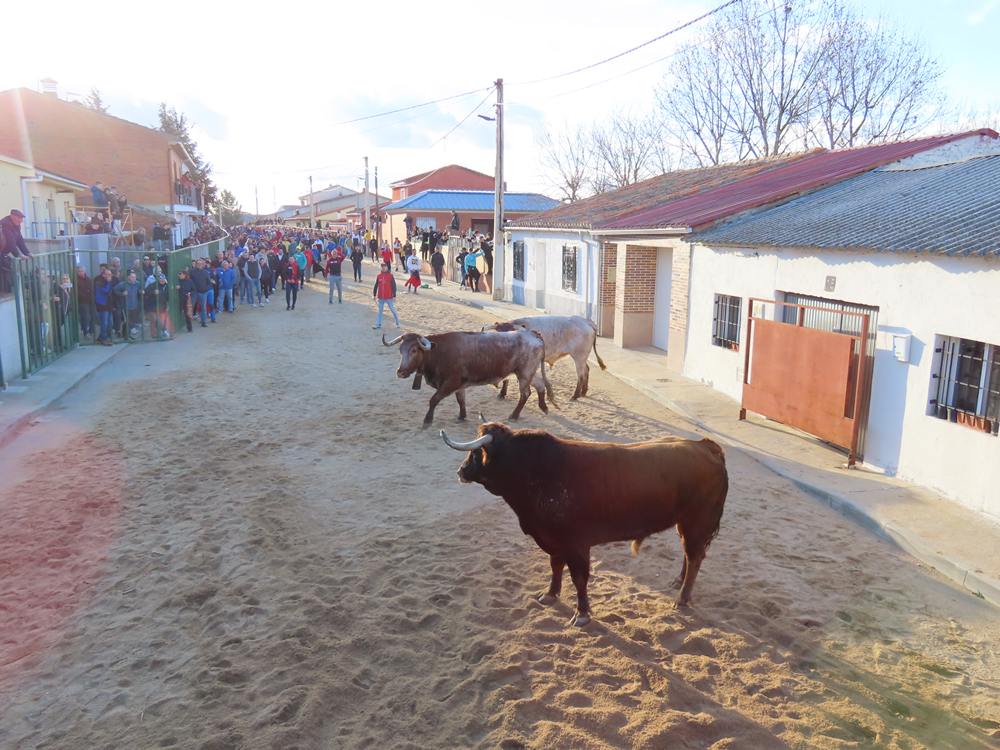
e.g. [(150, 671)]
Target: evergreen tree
[(177, 125), (95, 102), (232, 211)]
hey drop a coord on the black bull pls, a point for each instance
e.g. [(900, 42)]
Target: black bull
[(451, 362), (570, 495)]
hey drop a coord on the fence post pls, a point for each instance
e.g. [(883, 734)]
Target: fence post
[(20, 313)]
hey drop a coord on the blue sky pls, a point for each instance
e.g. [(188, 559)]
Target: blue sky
[(267, 115)]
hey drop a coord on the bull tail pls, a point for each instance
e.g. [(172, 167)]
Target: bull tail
[(594, 346), (724, 490), (551, 394), (636, 544)]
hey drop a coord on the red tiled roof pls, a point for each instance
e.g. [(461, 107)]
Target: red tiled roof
[(69, 139), (600, 209), (408, 180), (786, 180)]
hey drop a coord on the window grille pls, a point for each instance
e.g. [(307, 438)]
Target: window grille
[(968, 382), (726, 322), (569, 268), (519, 260)]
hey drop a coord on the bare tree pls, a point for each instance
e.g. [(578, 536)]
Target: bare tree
[(765, 80), (700, 105), (774, 58), (625, 151), (567, 158), (875, 85)]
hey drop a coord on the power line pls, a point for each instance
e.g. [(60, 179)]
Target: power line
[(641, 67), (417, 106), (665, 34), (462, 121)]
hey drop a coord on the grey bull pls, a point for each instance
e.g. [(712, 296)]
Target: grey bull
[(565, 336)]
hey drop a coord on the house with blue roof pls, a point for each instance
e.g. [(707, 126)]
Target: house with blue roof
[(432, 209)]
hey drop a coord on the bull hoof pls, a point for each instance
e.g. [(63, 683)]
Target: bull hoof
[(546, 598), (425, 425), (501, 397), (574, 397), (684, 603), (580, 620), (461, 418), (544, 408)]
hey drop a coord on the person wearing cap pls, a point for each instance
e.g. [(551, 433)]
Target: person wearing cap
[(11, 246)]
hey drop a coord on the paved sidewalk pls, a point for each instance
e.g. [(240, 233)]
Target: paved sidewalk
[(24, 400), (959, 543)]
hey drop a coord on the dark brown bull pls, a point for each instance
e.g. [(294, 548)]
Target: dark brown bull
[(451, 362), (570, 495)]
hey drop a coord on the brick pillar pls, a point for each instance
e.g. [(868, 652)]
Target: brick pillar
[(634, 295), (679, 293)]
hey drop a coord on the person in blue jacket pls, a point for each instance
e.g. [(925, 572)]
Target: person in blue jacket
[(227, 280)]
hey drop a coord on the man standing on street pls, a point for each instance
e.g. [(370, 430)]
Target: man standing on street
[(202, 282), (385, 293), (333, 263)]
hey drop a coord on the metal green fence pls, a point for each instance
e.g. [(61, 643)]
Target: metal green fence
[(55, 315), (45, 299)]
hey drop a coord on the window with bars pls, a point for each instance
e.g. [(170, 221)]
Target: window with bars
[(968, 383), (519, 260), (569, 268), (726, 322)]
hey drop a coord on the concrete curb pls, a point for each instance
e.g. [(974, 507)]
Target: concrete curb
[(9, 432), (975, 582)]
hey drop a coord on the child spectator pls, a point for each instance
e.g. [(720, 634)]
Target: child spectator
[(104, 302), (293, 278), (413, 268)]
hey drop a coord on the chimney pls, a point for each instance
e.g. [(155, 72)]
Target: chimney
[(50, 86)]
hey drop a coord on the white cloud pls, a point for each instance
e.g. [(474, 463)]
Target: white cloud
[(980, 14)]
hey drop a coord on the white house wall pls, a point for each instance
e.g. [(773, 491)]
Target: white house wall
[(542, 285), (927, 297)]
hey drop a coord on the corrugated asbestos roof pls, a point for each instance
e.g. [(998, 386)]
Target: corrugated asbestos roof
[(471, 200), (809, 173), (950, 209), (597, 210), (698, 197)]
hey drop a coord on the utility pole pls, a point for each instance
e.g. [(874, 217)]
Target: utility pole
[(367, 225), (256, 202), (498, 243), (378, 222), (312, 206)]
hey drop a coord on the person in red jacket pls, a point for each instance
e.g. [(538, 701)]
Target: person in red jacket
[(386, 254), (292, 275), (385, 293)]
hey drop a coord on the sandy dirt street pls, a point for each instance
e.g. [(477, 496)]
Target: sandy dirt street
[(243, 539)]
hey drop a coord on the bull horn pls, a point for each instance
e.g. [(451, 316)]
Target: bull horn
[(469, 446), (425, 343), (391, 343), (482, 418)]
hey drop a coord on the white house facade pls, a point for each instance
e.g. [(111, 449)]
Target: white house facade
[(916, 245)]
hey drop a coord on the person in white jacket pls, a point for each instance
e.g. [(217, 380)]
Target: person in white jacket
[(413, 264)]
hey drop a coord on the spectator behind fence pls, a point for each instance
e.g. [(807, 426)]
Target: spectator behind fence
[(85, 301), (11, 246), (104, 301)]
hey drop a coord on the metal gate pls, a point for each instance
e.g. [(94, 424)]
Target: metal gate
[(813, 379)]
